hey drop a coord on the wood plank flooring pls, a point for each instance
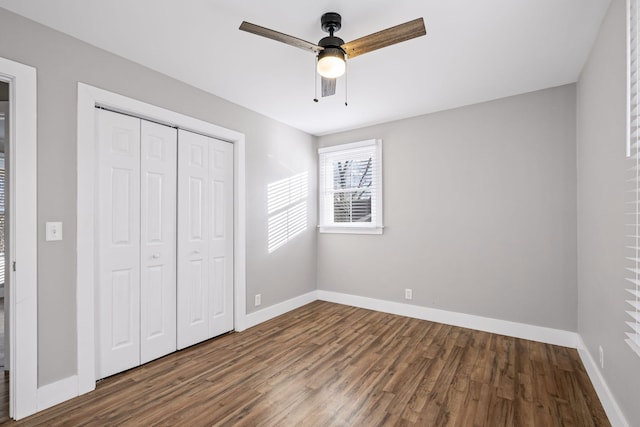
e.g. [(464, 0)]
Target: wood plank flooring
[(333, 365)]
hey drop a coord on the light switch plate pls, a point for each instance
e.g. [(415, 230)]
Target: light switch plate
[(53, 231)]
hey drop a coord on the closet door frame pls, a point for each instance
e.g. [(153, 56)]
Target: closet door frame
[(90, 97)]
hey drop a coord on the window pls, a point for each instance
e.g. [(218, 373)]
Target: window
[(633, 202), (351, 188)]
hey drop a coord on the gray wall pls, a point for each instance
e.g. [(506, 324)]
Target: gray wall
[(480, 202), (479, 210), (601, 112), (273, 152)]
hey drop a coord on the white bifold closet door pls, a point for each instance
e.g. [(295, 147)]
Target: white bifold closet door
[(158, 240), (136, 233), (205, 242)]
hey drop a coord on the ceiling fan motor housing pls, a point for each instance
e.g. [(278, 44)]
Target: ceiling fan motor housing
[(331, 22), (328, 42), (331, 61)]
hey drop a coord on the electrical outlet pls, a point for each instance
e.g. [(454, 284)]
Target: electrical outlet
[(408, 293), (258, 300), (601, 357)]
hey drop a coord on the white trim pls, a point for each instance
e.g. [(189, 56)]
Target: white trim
[(279, 309), (52, 394), (496, 326), (614, 413), (239, 236), (333, 229), (628, 88), (349, 146), (88, 98), (23, 308), (325, 180)]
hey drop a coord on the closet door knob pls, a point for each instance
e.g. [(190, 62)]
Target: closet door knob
[(155, 255), (195, 252)]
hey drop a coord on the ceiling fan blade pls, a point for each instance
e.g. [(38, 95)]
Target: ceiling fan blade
[(328, 86), (281, 37), (384, 38)]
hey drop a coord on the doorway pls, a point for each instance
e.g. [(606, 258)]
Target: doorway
[(4, 323), (21, 239)]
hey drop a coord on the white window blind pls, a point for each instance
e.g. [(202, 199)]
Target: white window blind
[(633, 201), (351, 188)]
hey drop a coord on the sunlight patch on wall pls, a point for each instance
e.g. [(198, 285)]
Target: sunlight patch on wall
[(287, 209)]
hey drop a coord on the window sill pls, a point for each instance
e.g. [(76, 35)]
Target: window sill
[(350, 230)]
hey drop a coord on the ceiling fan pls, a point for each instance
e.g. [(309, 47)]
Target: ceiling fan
[(332, 51)]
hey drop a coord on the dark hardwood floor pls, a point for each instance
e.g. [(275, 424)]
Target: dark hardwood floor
[(327, 364)]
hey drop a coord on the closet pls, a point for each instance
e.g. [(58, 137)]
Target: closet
[(164, 240)]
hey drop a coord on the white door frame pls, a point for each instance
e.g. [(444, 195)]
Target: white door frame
[(23, 283), (88, 98)]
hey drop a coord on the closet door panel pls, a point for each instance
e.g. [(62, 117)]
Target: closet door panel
[(193, 229), (221, 237), (118, 243), (196, 280), (158, 240)]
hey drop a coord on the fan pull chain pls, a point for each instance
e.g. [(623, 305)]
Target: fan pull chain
[(315, 80), (346, 67)]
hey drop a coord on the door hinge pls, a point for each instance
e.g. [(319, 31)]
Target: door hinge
[(14, 266)]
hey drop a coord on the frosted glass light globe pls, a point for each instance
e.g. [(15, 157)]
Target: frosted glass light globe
[(330, 66)]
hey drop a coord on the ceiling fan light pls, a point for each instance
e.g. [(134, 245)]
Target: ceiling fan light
[(331, 63)]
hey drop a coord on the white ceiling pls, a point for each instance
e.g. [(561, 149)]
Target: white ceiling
[(474, 50)]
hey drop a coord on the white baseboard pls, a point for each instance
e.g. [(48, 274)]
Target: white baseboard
[(257, 317), (67, 388), (54, 393), (614, 413), (502, 327)]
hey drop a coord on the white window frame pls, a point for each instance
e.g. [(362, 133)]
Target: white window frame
[(632, 225), (326, 224)]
